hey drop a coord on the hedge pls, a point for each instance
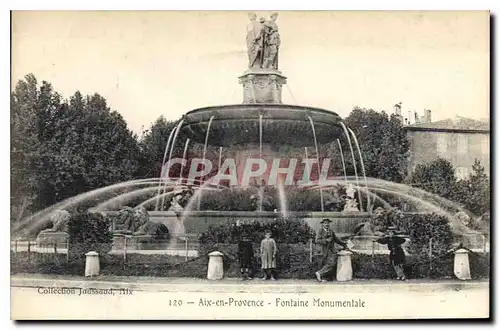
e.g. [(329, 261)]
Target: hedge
[(286, 231), (89, 232)]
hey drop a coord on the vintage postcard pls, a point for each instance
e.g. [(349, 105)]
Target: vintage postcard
[(221, 165)]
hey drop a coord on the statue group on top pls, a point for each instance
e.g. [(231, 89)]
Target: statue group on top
[(263, 42)]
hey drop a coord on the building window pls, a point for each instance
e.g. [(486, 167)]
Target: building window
[(461, 173), (485, 145), (463, 144), (442, 143)]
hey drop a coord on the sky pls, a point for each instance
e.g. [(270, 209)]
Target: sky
[(152, 63)]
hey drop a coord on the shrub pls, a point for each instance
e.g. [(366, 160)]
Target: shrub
[(285, 231), (227, 200), (422, 228), (298, 200), (89, 232)]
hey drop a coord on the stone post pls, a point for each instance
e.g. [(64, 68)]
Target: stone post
[(215, 266), (344, 266), (461, 267), (92, 264)]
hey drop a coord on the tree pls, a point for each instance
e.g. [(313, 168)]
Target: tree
[(383, 143), (33, 112), (152, 146), (91, 148), (437, 177), (63, 148), (474, 192)]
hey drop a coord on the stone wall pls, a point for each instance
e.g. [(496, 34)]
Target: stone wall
[(460, 148)]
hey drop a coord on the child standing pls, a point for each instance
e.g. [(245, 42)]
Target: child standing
[(268, 251), (245, 254), (396, 252)]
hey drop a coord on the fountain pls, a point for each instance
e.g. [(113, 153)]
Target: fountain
[(253, 132), (247, 141)]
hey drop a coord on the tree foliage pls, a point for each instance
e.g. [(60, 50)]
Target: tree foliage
[(474, 192), (61, 148), (152, 145), (382, 141), (437, 177)]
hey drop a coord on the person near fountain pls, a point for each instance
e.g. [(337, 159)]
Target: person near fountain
[(327, 239), (268, 250), (245, 256), (393, 240)]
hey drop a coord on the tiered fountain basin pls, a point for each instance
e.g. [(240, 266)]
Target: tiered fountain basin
[(241, 124)]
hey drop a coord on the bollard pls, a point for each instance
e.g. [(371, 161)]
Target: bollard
[(344, 266), (461, 267), (215, 266), (92, 264)]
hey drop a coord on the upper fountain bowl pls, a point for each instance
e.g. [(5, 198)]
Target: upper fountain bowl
[(281, 125)]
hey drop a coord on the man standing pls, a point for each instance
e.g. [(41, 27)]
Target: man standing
[(327, 239)]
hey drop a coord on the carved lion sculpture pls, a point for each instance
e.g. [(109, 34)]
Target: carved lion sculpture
[(59, 219)]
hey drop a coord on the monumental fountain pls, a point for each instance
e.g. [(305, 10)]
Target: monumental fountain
[(246, 143), (250, 135)]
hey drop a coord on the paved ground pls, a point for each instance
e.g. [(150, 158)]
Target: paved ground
[(184, 298), (180, 284)]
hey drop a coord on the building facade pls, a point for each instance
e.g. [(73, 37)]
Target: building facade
[(460, 141)]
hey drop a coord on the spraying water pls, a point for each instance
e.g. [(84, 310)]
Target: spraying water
[(368, 206), (282, 198), (44, 215)]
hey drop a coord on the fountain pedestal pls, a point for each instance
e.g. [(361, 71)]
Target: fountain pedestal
[(262, 85)]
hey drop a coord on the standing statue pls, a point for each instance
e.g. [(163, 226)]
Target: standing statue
[(176, 210), (271, 43), (255, 41), (263, 42), (350, 191), (351, 205)]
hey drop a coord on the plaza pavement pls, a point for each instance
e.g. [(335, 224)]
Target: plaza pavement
[(181, 284), (153, 298)]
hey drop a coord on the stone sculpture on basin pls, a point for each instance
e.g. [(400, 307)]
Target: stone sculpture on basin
[(138, 228), (58, 233)]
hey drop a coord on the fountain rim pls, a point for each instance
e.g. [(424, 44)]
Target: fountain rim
[(254, 106)]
